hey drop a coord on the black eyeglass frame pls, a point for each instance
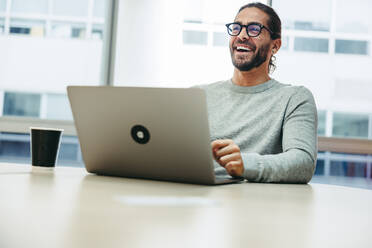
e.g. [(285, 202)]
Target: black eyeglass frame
[(246, 29)]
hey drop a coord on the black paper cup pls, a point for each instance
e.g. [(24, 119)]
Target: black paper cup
[(45, 146)]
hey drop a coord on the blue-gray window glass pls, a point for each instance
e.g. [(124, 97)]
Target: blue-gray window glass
[(27, 27), (220, 39), (2, 25), (311, 44), (97, 31), (56, 107), (2, 5), (30, 7), (319, 169), (285, 43), (71, 8), (352, 47), (321, 122), (312, 15), (21, 104), (350, 125), (99, 8), (353, 16), (348, 169), (195, 37)]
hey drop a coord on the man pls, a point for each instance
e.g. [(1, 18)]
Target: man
[(262, 130)]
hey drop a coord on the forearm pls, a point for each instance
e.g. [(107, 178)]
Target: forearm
[(292, 166)]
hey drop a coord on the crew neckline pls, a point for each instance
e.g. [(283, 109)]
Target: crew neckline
[(251, 89)]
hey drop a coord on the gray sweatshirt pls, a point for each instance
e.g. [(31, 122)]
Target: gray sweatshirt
[(274, 124)]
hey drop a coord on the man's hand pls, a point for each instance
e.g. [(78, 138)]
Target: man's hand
[(228, 155)]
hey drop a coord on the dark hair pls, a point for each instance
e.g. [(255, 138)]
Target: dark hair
[(274, 24)]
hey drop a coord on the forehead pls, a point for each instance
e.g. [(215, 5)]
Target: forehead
[(248, 15)]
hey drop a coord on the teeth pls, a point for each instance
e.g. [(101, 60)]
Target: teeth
[(243, 48)]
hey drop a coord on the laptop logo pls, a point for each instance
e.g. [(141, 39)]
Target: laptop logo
[(140, 134)]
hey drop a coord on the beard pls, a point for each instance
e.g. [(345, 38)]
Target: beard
[(243, 64)]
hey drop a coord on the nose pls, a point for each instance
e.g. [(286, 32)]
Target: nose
[(243, 34)]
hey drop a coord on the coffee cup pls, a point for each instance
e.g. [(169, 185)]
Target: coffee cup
[(45, 144)]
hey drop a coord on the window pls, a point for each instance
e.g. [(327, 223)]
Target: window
[(56, 107), (2, 25), (220, 39), (27, 27), (301, 15), (71, 8), (319, 169), (45, 46), (348, 169), (352, 47), (311, 45), (99, 8), (68, 30), (350, 125), (195, 37), (285, 43), (2, 5), (354, 16), (322, 123), (29, 7), (21, 104)]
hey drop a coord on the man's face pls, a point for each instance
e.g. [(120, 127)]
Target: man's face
[(256, 49)]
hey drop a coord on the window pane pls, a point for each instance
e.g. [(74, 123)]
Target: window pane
[(358, 22), (195, 37), (97, 32), (319, 169), (71, 8), (285, 43), (304, 15), (352, 47), (348, 169), (350, 125), (220, 39), (321, 123), (33, 7), (56, 107), (68, 30), (21, 104), (2, 25), (193, 11), (99, 8), (27, 27), (311, 45), (2, 5)]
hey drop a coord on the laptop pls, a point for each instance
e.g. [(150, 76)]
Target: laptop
[(149, 133)]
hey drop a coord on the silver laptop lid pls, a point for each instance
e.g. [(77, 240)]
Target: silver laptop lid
[(154, 133)]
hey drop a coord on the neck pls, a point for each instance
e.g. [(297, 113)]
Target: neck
[(252, 77)]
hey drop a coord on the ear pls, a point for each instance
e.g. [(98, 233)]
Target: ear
[(276, 44)]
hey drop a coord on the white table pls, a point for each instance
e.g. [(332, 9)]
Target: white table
[(67, 207)]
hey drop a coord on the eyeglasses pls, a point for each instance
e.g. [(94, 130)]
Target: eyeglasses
[(253, 29)]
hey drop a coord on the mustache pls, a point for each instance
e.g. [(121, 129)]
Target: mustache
[(246, 43)]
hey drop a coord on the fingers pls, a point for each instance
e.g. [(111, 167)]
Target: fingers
[(228, 155), (231, 148), (235, 169), (217, 144), (229, 158)]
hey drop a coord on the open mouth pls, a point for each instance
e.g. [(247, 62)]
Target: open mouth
[(243, 49)]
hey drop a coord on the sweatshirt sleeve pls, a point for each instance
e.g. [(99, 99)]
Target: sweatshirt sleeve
[(296, 164)]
